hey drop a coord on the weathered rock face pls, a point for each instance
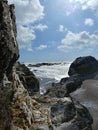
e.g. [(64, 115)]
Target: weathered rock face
[(67, 114), (8, 44), (72, 116), (83, 66), (18, 111), (8, 55), (28, 79), (27, 114), (5, 111)]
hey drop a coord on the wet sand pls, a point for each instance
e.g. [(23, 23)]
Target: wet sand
[(88, 96)]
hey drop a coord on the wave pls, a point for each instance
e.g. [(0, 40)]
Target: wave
[(55, 71)]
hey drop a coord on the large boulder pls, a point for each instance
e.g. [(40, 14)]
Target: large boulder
[(29, 80), (9, 52), (83, 66)]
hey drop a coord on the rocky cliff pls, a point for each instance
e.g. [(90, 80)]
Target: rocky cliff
[(19, 110), (9, 52)]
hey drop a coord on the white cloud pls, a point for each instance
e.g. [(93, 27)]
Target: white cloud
[(62, 28), (78, 40), (40, 27), (25, 37), (85, 4), (70, 6), (73, 5), (41, 47), (89, 22), (28, 11)]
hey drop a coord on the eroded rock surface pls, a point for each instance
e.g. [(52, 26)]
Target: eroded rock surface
[(28, 79), (9, 52)]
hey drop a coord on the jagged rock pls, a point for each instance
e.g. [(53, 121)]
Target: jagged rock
[(8, 44), (83, 66), (9, 53), (28, 79), (62, 112), (27, 113), (64, 87), (67, 114)]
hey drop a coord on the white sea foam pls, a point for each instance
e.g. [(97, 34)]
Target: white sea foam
[(52, 72)]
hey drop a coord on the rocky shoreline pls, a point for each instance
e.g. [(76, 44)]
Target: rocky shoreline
[(43, 64), (21, 105)]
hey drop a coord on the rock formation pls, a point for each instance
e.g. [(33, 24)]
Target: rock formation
[(19, 110), (83, 66), (9, 49), (28, 79)]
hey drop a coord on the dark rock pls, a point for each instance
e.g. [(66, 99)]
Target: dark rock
[(5, 111), (9, 52), (71, 115), (42, 64), (83, 66), (76, 126), (28, 79), (63, 80), (73, 83), (63, 112), (57, 90), (64, 87)]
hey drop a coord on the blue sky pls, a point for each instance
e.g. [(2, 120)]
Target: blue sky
[(56, 30)]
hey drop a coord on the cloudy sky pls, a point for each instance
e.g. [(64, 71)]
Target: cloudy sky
[(56, 30)]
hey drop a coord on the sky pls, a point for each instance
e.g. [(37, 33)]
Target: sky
[(56, 30)]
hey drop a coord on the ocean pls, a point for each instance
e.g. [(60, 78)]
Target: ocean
[(87, 94), (47, 74)]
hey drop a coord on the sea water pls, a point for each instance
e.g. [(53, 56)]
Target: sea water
[(47, 74), (55, 72)]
